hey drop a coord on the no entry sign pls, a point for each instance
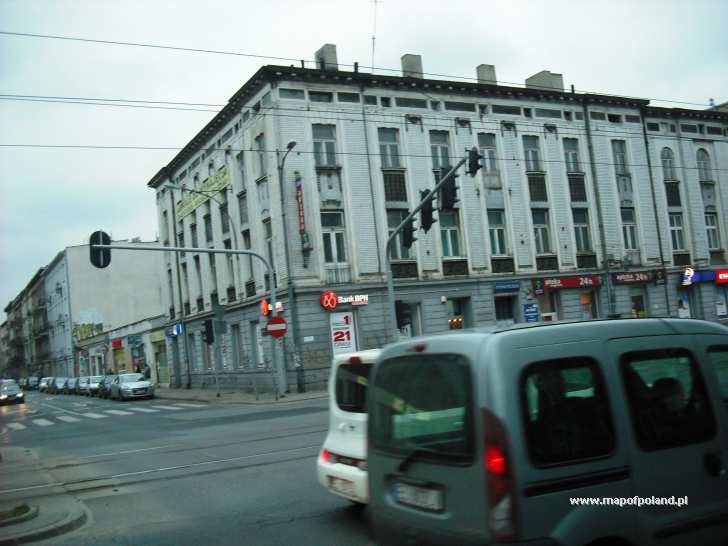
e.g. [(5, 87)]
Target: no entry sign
[(276, 326)]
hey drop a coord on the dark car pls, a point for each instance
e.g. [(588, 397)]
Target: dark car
[(32, 383), (70, 386), (57, 385), (10, 393), (105, 386)]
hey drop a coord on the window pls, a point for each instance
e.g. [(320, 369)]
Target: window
[(237, 355), (547, 113), (537, 187), (224, 218), (541, 230), (440, 149), (395, 188), (597, 115), (193, 235), (629, 229), (260, 150), (334, 236), (668, 164), (213, 271), (389, 148), (165, 228), (370, 100), (579, 116), (503, 109), (460, 106), (264, 195), (185, 284), (433, 409), (497, 231), (450, 234), (711, 226), (266, 100), (192, 357), (577, 188), (398, 250), (208, 228), (348, 97), (704, 170), (566, 411), (668, 402), (351, 387), (619, 151), (632, 119), (653, 127), (486, 143), (571, 154), (243, 206), (291, 93), (581, 230), (410, 103), (614, 118), (324, 145), (690, 128), (676, 231), (532, 154), (320, 96), (672, 192), (504, 306), (181, 241), (719, 360), (248, 246), (198, 276)]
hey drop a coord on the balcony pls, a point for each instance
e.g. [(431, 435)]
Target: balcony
[(404, 270), (250, 289), (586, 261), (681, 258), (502, 265), (455, 268), (339, 274), (547, 263)]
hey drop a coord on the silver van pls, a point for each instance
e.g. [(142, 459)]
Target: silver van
[(600, 433)]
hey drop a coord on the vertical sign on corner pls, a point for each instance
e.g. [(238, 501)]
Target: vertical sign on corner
[(343, 334)]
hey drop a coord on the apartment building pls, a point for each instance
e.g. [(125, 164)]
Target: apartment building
[(587, 206)]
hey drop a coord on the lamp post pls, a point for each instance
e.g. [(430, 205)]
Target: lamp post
[(291, 290)]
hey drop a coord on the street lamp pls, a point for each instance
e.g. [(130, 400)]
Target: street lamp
[(291, 291)]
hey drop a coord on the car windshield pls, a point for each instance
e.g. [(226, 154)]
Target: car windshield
[(60, 380), (10, 388), (96, 378), (131, 378)]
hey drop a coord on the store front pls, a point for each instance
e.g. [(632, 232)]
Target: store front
[(160, 366), (721, 295), (505, 302), (343, 320), (565, 298), (118, 357), (636, 283)]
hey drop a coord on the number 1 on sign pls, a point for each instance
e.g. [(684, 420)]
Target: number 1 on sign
[(347, 319)]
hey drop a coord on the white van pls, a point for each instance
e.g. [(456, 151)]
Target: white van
[(342, 462), (594, 433)]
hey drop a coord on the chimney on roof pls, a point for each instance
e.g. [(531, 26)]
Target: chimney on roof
[(547, 80), (486, 74), (326, 58), (412, 66)]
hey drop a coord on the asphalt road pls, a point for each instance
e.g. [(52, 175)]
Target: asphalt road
[(161, 472)]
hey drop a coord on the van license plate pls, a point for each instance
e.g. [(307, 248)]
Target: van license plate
[(421, 497), (345, 487)]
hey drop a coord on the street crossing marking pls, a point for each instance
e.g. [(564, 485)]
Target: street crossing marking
[(94, 415), (43, 422), (68, 418), (144, 410), (167, 407), (117, 412), (186, 405), (16, 426)]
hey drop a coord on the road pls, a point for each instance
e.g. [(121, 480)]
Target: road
[(161, 472)]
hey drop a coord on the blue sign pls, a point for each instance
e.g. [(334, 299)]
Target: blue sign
[(530, 312), (174, 331), (502, 287), (690, 276)]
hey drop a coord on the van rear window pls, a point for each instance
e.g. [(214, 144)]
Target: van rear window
[(351, 387), (424, 401)]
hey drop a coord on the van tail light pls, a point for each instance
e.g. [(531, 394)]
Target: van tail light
[(355, 360), (500, 484), (325, 455)]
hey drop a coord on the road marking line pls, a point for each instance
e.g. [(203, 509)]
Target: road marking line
[(16, 426), (117, 412), (167, 407), (144, 410), (43, 422), (186, 405), (94, 415), (68, 418)]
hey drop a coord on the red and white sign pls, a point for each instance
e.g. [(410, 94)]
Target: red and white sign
[(343, 335), (721, 277), (276, 326), (299, 202), (631, 277), (116, 343), (329, 300), (582, 281)]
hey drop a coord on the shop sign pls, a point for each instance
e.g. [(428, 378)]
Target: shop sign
[(329, 300), (631, 277), (116, 343), (343, 336), (530, 312), (217, 182), (506, 287), (558, 283), (134, 341), (721, 277), (690, 276)]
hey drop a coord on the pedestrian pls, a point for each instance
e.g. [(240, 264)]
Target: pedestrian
[(147, 371)]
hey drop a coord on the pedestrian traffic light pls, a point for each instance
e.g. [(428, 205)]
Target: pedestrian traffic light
[(100, 257), (408, 233), (208, 335), (448, 191), (426, 219), (474, 163)]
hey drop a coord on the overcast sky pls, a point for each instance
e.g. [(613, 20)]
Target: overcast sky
[(52, 198)]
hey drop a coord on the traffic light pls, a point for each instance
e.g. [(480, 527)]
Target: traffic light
[(474, 163), (426, 219), (408, 233), (100, 257), (449, 191), (208, 335)]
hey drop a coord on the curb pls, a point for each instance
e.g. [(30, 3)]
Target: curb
[(70, 523), (30, 514), (243, 402)]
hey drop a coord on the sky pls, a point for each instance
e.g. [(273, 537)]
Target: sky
[(51, 198)]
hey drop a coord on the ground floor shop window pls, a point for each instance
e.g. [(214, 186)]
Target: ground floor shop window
[(409, 323), (457, 312), (638, 302), (683, 304), (505, 310), (589, 308), (548, 305), (721, 301)]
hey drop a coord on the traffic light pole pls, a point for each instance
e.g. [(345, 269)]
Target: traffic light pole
[(388, 265), (280, 378)]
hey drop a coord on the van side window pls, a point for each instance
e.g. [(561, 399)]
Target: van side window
[(719, 360), (668, 401), (351, 387), (566, 411)]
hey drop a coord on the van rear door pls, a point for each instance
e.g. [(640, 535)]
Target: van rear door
[(677, 450)]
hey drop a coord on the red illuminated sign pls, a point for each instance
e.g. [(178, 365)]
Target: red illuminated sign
[(264, 308), (632, 277), (116, 343), (582, 281), (721, 277), (329, 300)]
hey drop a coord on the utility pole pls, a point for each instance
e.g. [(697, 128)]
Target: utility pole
[(178, 374)]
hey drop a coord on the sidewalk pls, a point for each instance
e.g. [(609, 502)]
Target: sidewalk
[(228, 396)]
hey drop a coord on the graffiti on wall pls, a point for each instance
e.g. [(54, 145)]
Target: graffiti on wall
[(86, 330)]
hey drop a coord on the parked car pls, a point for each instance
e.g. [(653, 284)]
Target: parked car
[(44, 383), (131, 385), (21, 382), (482, 438), (105, 386), (57, 385), (69, 387), (92, 388), (11, 393), (32, 383), (82, 385)]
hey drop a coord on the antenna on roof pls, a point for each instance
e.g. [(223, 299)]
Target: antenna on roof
[(374, 29)]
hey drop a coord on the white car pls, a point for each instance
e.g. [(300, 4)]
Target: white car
[(342, 462), (131, 385)]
